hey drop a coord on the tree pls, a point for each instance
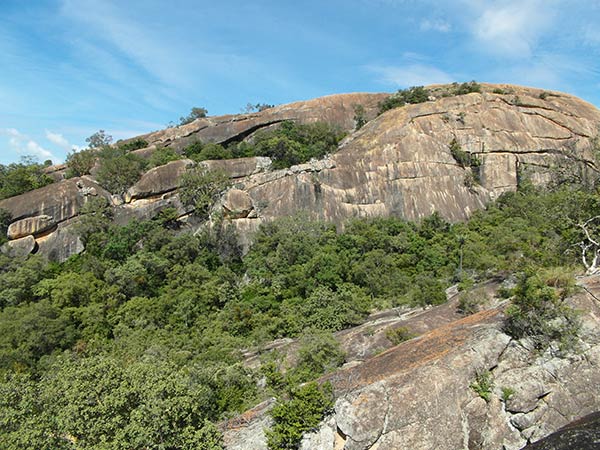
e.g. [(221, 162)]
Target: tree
[(590, 244), (99, 140), (119, 170), (200, 187), (195, 113), (24, 176), (81, 162), (360, 118)]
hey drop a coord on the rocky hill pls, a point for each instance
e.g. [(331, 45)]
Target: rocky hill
[(420, 394), (405, 162)]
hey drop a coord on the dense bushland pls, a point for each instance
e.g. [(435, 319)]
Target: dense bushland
[(137, 341), (21, 177)]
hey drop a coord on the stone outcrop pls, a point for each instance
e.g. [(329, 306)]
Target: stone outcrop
[(418, 395), (61, 201), (19, 247), (582, 434), (399, 164), (159, 180), (334, 109), (43, 215), (30, 225)]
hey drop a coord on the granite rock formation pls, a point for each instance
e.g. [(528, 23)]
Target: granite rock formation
[(418, 394), (399, 164)]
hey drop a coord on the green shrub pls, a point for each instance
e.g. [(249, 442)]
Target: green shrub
[(319, 353), (119, 170), (412, 95), (466, 88), (470, 303), (301, 413), (507, 393), (483, 385), (398, 335), (293, 143), (132, 145), (538, 312), (5, 220), (360, 118), (195, 113), (18, 178), (162, 156), (466, 160), (81, 162), (200, 187)]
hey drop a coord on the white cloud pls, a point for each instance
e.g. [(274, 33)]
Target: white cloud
[(411, 75), (436, 25), (512, 28), (58, 139), (25, 146)]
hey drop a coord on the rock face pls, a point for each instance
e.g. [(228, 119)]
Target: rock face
[(159, 180), (583, 434), (334, 109), (31, 225), (418, 395), (50, 208), (399, 164)]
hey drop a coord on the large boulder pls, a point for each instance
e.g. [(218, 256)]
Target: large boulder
[(159, 180), (30, 225), (61, 201), (19, 247)]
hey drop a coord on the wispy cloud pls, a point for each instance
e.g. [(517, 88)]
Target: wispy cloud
[(512, 28), (412, 74), (25, 146), (439, 25)]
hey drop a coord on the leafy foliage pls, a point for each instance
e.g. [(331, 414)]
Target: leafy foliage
[(465, 88), (21, 177), (288, 144), (81, 162), (5, 219), (302, 412), (162, 156), (119, 169), (142, 333), (199, 187), (539, 313), (483, 385), (412, 95), (360, 118), (195, 113)]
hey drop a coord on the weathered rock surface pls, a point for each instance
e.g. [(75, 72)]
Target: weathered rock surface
[(237, 204), (417, 395), (59, 245), (30, 225), (399, 164), (582, 434), (19, 247), (61, 201), (240, 167), (334, 109), (159, 180)]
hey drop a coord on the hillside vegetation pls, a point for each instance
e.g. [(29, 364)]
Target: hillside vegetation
[(137, 342)]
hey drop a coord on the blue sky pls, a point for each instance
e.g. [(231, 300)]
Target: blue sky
[(72, 67)]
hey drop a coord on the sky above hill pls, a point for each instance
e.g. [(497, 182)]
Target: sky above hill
[(72, 67)]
